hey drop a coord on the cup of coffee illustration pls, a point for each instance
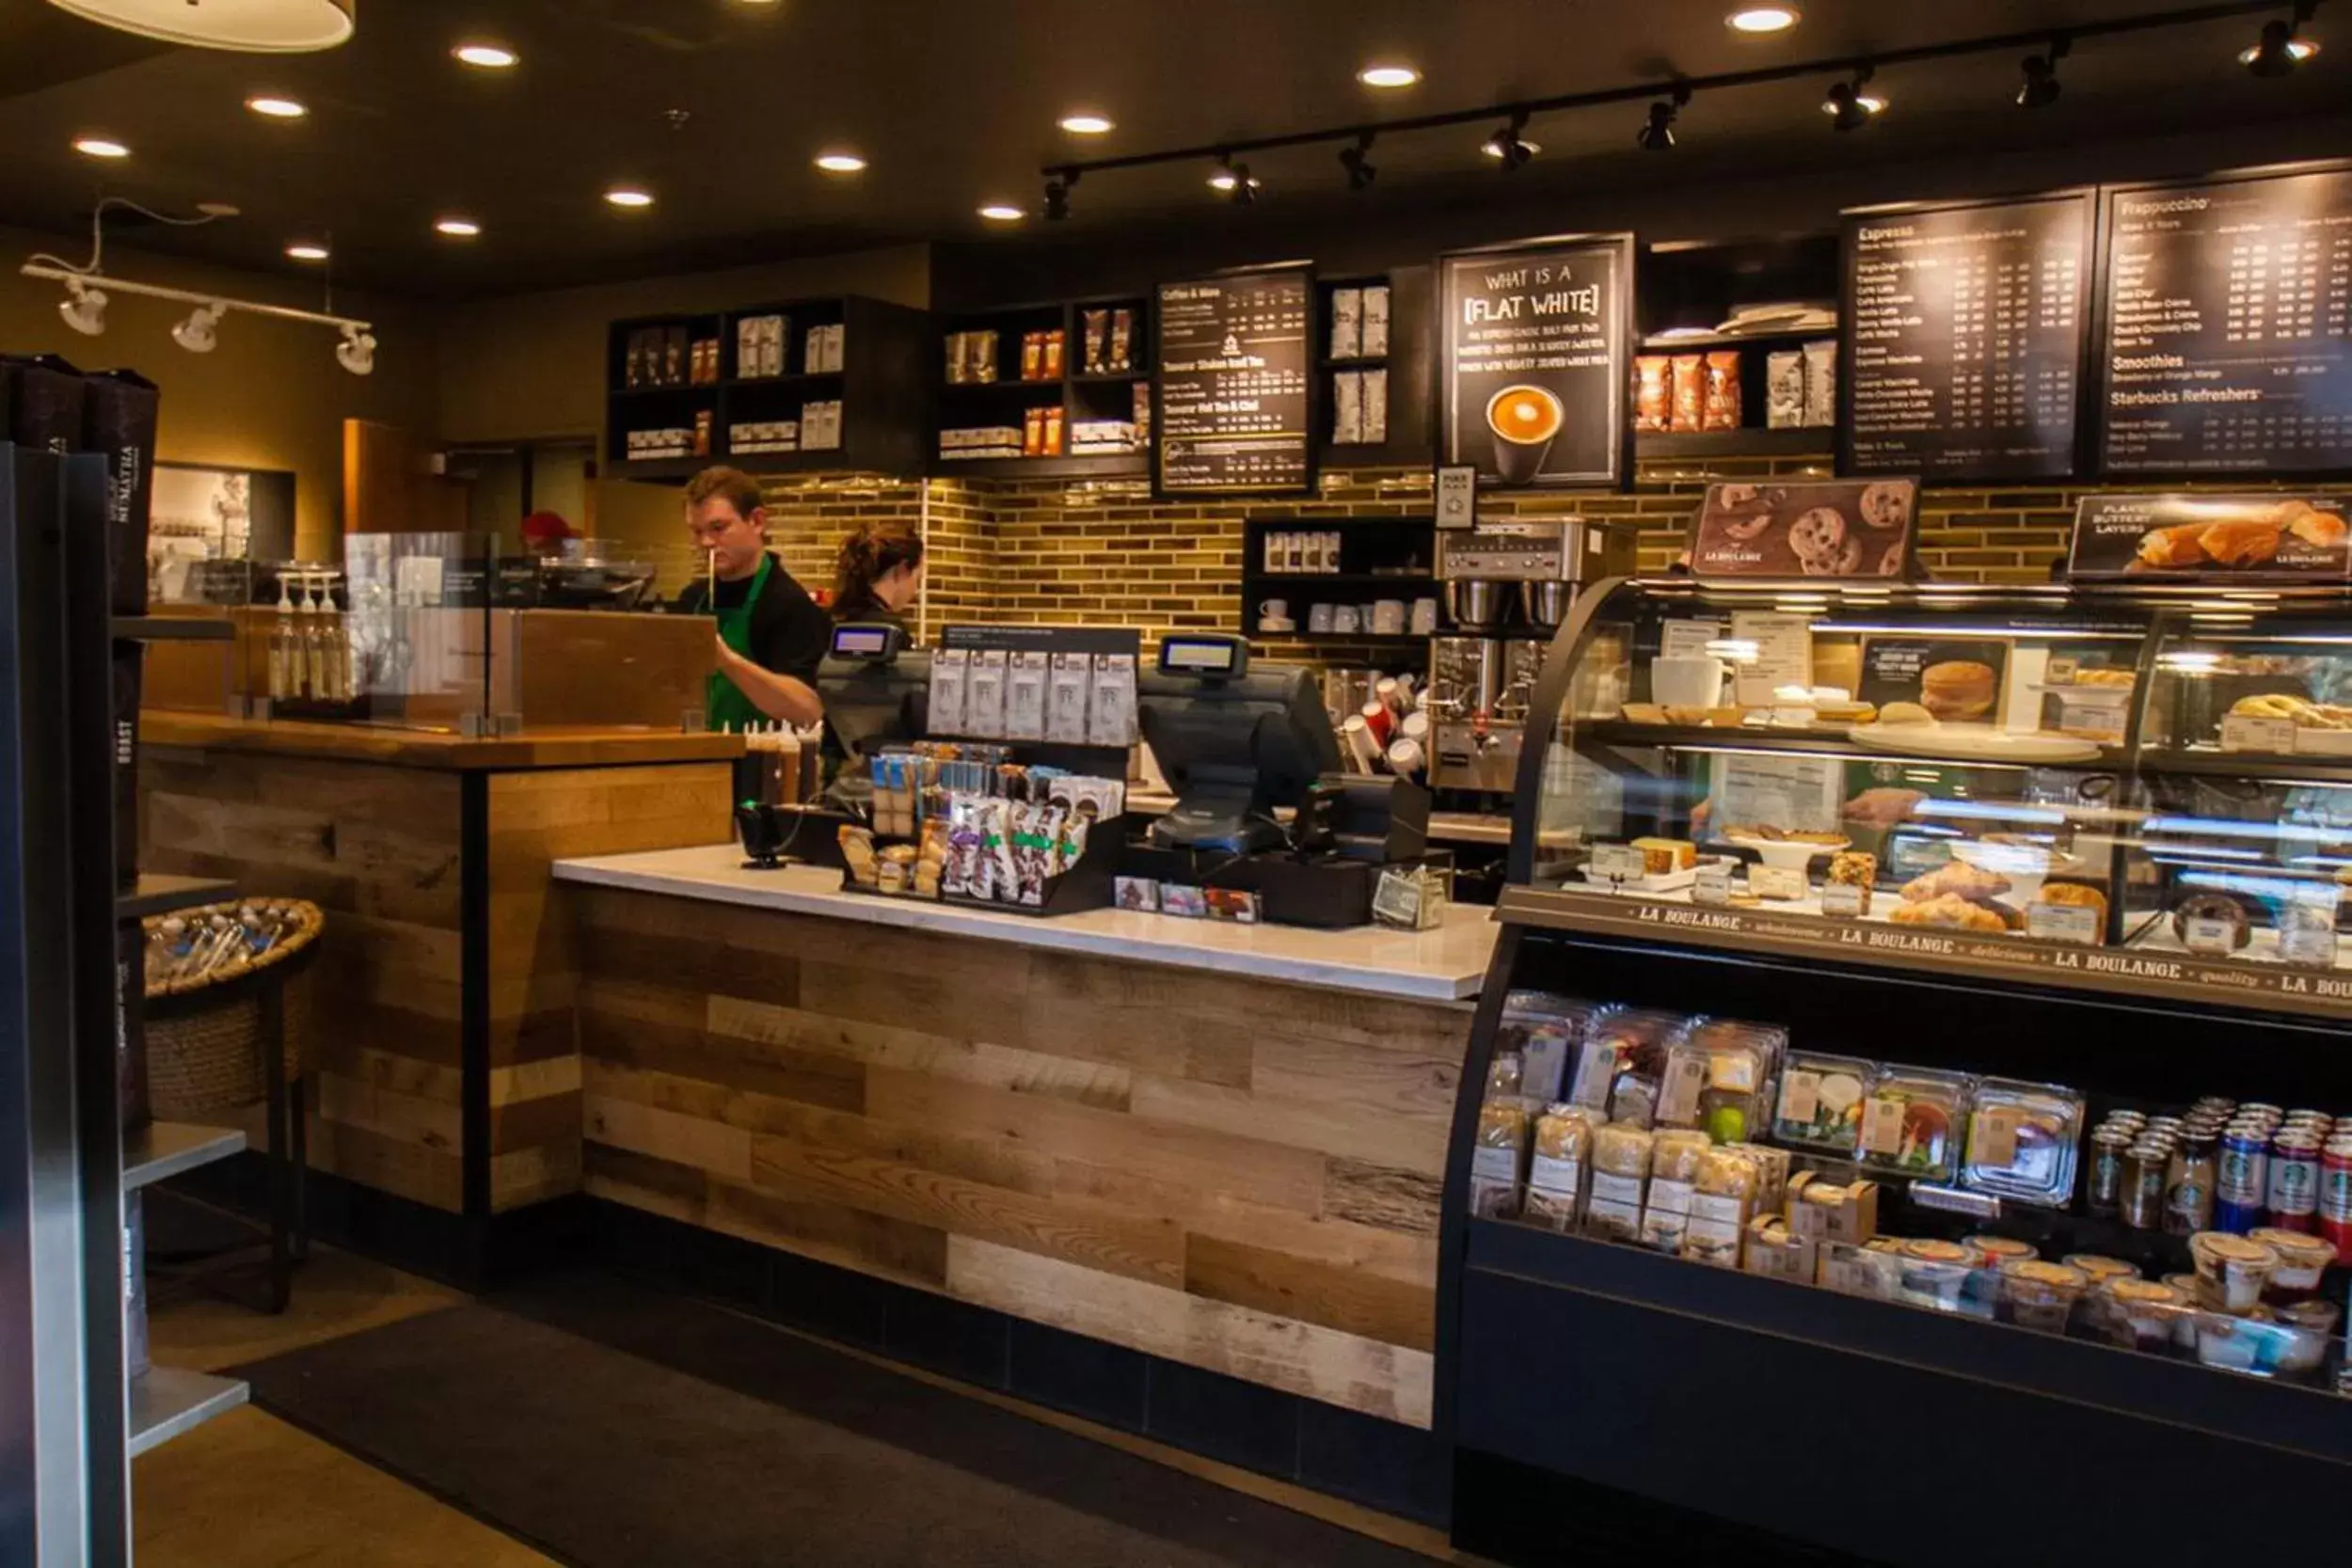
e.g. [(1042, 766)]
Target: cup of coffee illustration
[(1523, 420)]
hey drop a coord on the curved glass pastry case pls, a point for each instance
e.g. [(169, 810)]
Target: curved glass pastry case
[(1921, 1004)]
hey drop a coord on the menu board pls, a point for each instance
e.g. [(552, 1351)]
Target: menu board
[(1235, 382), (1534, 366), (2228, 333), (1963, 354)]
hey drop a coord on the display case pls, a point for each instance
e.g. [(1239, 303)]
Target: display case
[(1919, 1006)]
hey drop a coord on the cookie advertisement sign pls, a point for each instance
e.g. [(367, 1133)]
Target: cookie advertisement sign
[(1819, 529), (2213, 538)]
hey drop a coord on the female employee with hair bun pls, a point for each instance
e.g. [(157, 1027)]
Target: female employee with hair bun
[(880, 571)]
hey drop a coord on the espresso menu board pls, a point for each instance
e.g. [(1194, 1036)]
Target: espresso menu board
[(2229, 326), (1235, 382), (1534, 359), (1964, 350)]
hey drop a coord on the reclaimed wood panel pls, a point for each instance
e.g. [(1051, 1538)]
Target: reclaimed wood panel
[(377, 851), (1242, 1175), (378, 845), (534, 955)]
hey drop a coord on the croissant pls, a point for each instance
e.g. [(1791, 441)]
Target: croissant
[(2172, 546), (2323, 529), (2247, 542)]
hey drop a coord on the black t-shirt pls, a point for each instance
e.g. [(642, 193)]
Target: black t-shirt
[(868, 610), (789, 632)]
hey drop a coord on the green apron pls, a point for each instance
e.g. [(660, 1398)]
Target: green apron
[(724, 706)]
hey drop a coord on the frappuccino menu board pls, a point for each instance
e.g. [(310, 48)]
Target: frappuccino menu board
[(1534, 359), (2229, 326), (1964, 359), (1234, 379)]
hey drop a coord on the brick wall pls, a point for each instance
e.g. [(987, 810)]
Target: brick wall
[(1103, 553)]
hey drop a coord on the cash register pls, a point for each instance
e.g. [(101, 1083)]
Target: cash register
[(1234, 742)]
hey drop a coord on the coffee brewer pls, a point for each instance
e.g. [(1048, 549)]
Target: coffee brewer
[(1509, 584)]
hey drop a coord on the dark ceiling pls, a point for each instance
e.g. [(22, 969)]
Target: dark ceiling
[(955, 100)]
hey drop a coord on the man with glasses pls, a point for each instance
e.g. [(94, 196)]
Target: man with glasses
[(771, 635)]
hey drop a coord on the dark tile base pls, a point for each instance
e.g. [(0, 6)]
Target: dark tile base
[(1398, 1469)]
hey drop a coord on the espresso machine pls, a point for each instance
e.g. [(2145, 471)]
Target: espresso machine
[(1508, 585)]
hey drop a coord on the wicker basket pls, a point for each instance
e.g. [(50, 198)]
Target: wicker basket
[(204, 1039)]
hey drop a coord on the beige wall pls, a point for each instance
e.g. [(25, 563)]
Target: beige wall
[(271, 396), (533, 364)]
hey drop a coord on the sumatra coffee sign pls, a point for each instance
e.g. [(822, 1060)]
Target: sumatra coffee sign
[(1535, 346), (1235, 382)]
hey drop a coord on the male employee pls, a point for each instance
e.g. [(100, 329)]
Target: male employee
[(771, 634)]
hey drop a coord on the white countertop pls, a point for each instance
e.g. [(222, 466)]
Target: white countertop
[(1446, 964)]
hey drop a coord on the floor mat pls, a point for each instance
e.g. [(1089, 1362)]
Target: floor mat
[(617, 1426)]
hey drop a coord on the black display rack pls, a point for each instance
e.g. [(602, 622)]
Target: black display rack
[(1006, 399), (881, 387)]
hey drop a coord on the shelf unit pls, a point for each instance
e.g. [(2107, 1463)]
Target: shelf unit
[(1408, 363), (1382, 557), (885, 401), (168, 1402), (162, 1149), (1079, 395)]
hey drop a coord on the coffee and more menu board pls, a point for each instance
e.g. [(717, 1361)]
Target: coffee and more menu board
[(1963, 358), (1534, 359), (1234, 381), (2229, 326)]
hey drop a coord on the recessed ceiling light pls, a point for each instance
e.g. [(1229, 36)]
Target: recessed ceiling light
[(1002, 211), (302, 252), (629, 196), (1085, 124), (840, 162), (457, 228), (1387, 76), (277, 109), (489, 57), (99, 147), (1226, 182), (1763, 19), (279, 28)]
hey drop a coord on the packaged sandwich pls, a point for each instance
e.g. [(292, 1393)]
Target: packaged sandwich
[(1495, 1161), (1555, 1172)]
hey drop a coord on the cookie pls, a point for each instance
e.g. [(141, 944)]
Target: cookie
[(1818, 535), (1891, 563), (1885, 504), (1842, 562), (1740, 529)]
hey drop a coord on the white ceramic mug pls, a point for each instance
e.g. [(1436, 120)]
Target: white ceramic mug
[(1686, 682), (1344, 618), (1319, 619), (1274, 610), (1388, 618), (1424, 622)]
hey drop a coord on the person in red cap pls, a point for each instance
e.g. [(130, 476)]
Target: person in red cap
[(544, 532)]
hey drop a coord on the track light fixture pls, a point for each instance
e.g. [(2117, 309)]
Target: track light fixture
[(1658, 135), (1507, 147), (2282, 47), (1057, 196), (1239, 189), (1361, 174), (1848, 106), (2039, 87), (84, 308), (200, 332), (356, 352)]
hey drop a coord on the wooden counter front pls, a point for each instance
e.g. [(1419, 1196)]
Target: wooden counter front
[(444, 988), (1240, 1174)]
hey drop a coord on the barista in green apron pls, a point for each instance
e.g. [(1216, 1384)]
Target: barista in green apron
[(772, 636)]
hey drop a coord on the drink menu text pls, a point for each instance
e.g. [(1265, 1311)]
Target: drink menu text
[(1964, 349), (1236, 373), (2229, 326)]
